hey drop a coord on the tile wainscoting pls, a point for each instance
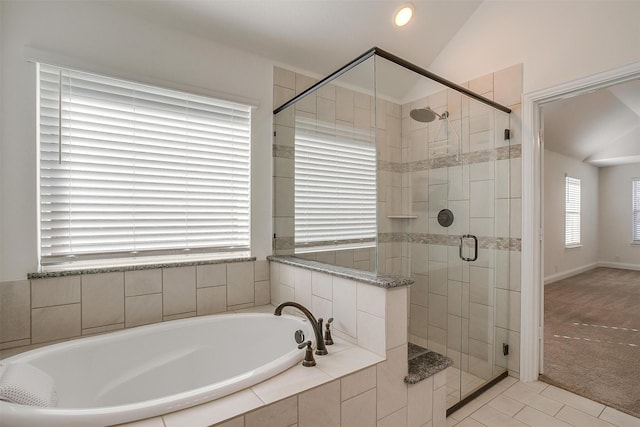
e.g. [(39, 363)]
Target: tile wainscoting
[(361, 381), (42, 311)]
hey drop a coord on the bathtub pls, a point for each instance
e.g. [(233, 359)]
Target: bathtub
[(155, 369)]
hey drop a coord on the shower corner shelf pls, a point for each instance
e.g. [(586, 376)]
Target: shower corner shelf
[(402, 216)]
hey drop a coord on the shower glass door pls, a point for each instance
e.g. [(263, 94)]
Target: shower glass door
[(428, 167), (477, 296), (458, 234)]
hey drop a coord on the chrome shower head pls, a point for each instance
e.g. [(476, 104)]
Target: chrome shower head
[(426, 115)]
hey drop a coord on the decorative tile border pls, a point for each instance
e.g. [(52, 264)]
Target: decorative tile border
[(501, 153), (283, 152), (484, 242), (284, 242), (327, 243)]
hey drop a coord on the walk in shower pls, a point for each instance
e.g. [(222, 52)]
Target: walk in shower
[(385, 167)]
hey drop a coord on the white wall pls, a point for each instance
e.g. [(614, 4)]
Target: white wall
[(94, 37), (615, 216), (557, 41), (560, 261), (1, 133)]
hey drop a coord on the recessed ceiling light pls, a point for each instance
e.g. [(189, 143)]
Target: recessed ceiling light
[(403, 15)]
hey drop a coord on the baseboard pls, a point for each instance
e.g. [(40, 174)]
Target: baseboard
[(565, 274), (568, 273), (619, 265)]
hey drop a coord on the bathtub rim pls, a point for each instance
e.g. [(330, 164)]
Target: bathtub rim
[(14, 414)]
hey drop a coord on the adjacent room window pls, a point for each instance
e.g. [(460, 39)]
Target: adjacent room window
[(130, 170), (572, 212), (635, 202), (335, 186)]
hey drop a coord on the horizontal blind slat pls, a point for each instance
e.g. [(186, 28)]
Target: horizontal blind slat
[(143, 168), (335, 184)]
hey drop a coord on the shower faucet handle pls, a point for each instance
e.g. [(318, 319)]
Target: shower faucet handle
[(308, 354), (327, 333)]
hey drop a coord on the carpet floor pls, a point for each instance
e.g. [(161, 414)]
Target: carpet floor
[(592, 336)]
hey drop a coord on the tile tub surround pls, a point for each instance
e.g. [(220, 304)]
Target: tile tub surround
[(334, 393), (344, 376), (348, 387), (59, 306), (369, 310), (374, 316)]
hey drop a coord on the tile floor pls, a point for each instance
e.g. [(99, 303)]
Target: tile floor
[(536, 404), (457, 381)]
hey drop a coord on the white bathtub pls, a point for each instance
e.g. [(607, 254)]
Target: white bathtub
[(151, 370)]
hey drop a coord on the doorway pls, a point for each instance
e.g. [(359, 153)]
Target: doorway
[(534, 205), (591, 158)]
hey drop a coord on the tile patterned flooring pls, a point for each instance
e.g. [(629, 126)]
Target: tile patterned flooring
[(536, 404), (457, 380)]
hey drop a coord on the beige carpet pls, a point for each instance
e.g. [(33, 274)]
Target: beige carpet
[(592, 336)]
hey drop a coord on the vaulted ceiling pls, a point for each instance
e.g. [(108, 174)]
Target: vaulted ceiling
[(313, 35), (601, 128), (319, 36)]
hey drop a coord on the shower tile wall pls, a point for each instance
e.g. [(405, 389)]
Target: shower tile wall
[(349, 109), (393, 190), (464, 310), (419, 174)]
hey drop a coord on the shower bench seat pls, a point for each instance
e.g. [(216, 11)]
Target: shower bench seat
[(424, 363)]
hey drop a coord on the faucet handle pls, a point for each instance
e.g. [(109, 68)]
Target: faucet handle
[(308, 355), (327, 333)]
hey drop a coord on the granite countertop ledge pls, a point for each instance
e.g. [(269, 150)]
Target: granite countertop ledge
[(98, 270), (424, 363), (382, 280)]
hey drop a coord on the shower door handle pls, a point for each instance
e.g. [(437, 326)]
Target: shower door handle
[(475, 247)]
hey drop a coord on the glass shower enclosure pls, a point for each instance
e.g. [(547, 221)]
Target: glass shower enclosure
[(386, 167)]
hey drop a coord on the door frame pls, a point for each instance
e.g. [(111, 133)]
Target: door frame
[(532, 275)]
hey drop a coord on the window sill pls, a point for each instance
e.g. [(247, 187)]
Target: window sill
[(70, 271), (579, 245)]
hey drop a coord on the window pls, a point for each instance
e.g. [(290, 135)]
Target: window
[(130, 170), (572, 212), (335, 186), (635, 201)]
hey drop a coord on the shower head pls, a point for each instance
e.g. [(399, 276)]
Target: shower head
[(426, 115)]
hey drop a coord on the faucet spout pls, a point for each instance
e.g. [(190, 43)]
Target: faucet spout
[(321, 348)]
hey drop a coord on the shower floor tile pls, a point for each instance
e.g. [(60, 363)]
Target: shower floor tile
[(460, 385)]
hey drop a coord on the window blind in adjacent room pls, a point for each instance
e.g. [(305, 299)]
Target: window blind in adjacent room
[(130, 170), (572, 212), (635, 201), (335, 185)]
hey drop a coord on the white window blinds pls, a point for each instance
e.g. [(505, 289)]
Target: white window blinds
[(129, 170), (335, 185), (635, 201), (572, 212)]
